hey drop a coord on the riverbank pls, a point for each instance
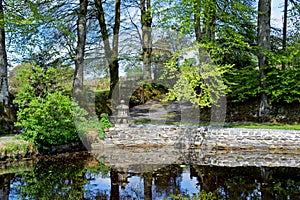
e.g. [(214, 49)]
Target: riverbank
[(13, 148)]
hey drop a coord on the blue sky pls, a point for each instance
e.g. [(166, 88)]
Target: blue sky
[(276, 13)]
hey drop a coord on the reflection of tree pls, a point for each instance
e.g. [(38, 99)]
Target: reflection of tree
[(282, 183), (167, 180), (56, 178), (5, 185), (115, 193), (65, 178), (147, 186), (249, 182)]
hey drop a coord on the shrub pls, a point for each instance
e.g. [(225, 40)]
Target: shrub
[(283, 86), (104, 123), (48, 121), (84, 125), (46, 113)]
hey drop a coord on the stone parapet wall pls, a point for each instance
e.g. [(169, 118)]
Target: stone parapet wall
[(265, 139), (129, 148), (155, 135), (205, 137)]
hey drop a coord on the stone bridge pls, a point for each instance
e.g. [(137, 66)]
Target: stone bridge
[(183, 136), (155, 146), (201, 137)]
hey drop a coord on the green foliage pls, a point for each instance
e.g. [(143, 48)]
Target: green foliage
[(85, 124), (15, 147), (92, 124), (201, 84), (48, 121), (104, 124), (242, 83), (45, 114), (102, 102), (264, 126), (283, 85), (201, 196), (146, 92), (229, 37)]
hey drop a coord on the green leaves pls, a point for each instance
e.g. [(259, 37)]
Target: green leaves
[(283, 85), (48, 121), (243, 84), (46, 113), (200, 84)]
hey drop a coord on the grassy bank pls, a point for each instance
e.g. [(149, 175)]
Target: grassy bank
[(13, 148), (264, 126)]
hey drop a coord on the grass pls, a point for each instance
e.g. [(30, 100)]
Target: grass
[(264, 126), (237, 125), (15, 147)]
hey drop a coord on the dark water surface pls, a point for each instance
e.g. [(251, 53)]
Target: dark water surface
[(81, 176)]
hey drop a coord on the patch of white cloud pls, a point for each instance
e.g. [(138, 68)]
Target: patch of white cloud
[(277, 13)]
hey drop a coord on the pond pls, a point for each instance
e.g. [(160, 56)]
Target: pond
[(81, 176)]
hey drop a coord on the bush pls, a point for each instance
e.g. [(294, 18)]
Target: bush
[(48, 121), (104, 124), (46, 113), (283, 86), (243, 84), (84, 126)]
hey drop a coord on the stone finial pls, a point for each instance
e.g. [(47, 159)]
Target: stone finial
[(122, 114)]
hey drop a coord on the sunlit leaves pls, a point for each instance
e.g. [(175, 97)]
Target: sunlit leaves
[(199, 83)]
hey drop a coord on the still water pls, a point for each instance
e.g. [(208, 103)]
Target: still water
[(81, 176)]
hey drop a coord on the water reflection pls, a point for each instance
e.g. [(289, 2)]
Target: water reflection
[(80, 176)]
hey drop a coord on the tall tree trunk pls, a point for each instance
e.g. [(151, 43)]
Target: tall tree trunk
[(205, 16), (210, 19), (263, 41), (197, 20), (284, 31), (114, 66), (79, 57), (146, 19), (7, 116), (111, 53), (4, 95)]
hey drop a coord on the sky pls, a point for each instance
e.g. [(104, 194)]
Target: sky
[(277, 13)]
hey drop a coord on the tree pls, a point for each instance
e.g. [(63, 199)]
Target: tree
[(204, 19), (263, 42), (111, 52), (223, 29), (284, 29), (146, 21), (3, 59), (45, 113), (79, 57)]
